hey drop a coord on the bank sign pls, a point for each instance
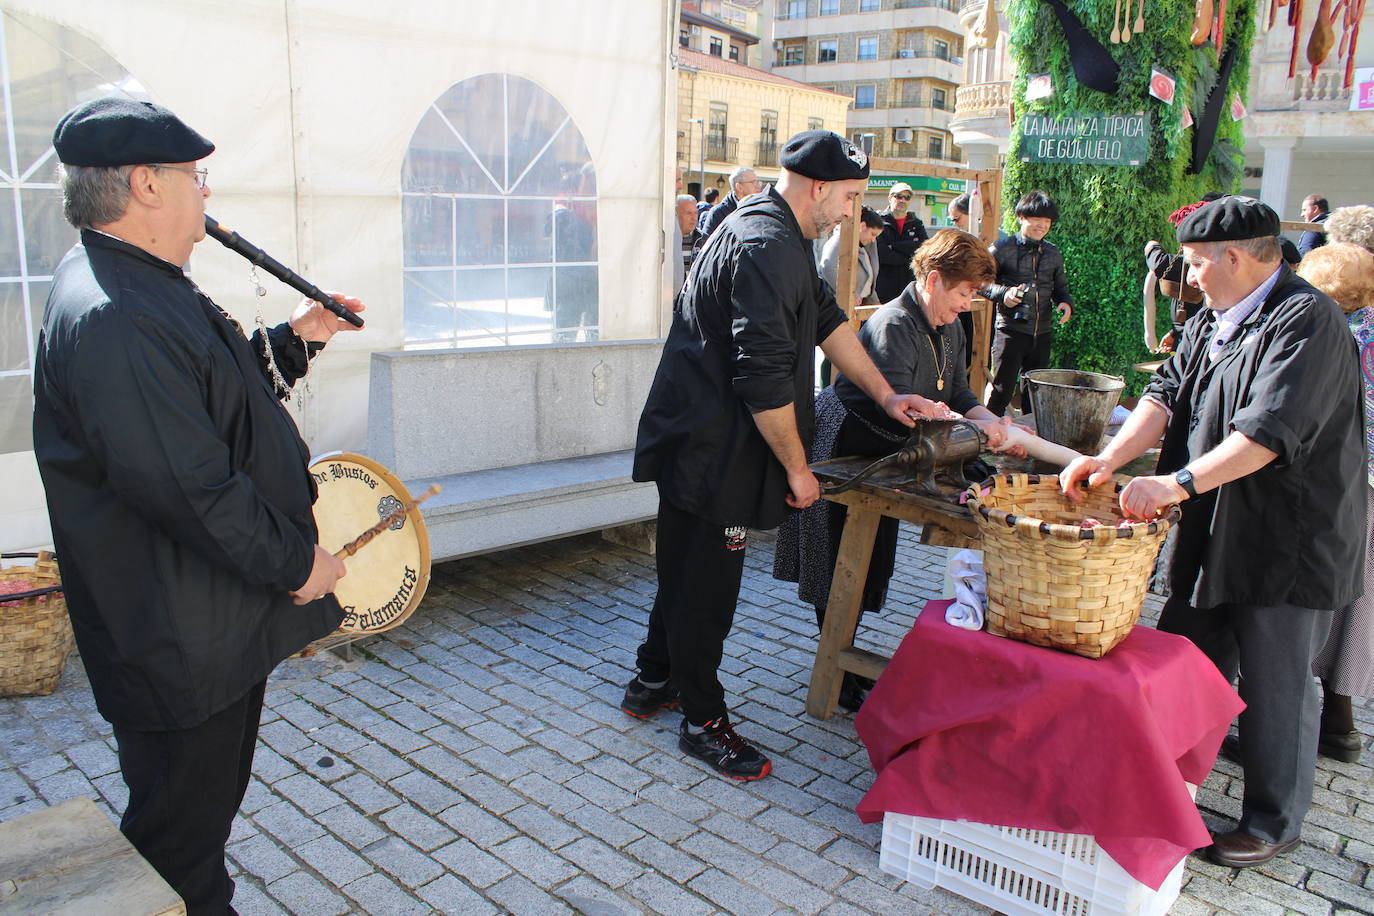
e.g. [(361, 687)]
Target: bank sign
[(1085, 139), (918, 183)]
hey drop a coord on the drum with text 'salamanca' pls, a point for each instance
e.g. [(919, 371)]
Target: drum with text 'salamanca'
[(388, 576)]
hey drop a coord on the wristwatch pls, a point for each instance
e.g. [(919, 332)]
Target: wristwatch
[(1184, 478)]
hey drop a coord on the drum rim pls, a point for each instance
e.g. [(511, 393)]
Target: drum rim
[(418, 526)]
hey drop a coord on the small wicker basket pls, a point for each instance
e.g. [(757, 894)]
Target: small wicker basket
[(1052, 582), (36, 636)]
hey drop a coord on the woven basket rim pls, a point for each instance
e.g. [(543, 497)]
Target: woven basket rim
[(989, 517)]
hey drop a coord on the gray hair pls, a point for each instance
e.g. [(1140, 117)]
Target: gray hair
[(94, 195), (1352, 224), (682, 197), (1266, 249), (738, 175)]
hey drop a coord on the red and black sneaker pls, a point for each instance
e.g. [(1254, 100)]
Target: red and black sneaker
[(642, 702), (728, 753)]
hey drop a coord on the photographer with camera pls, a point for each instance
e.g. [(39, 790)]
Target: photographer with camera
[(1030, 289)]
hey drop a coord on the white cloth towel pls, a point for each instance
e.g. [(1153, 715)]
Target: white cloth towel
[(970, 590)]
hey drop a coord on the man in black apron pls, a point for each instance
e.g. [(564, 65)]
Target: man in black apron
[(1261, 413), (727, 425)]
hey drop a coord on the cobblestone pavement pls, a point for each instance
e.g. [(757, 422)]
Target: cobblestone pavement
[(474, 761)]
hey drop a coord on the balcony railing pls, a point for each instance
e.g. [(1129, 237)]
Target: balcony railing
[(982, 100), (951, 5), (722, 149), (766, 154), (917, 100), (919, 52)]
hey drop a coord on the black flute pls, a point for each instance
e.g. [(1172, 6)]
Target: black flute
[(259, 258)]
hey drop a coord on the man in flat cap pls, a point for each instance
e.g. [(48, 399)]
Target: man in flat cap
[(177, 486), (728, 422), (1260, 409)]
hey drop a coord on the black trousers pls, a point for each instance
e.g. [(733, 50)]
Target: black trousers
[(700, 566), (184, 790), (1012, 354), (1271, 647)]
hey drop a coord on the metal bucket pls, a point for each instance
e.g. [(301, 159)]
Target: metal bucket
[(1072, 407)]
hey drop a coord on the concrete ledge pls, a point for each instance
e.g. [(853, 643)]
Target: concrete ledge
[(481, 511)]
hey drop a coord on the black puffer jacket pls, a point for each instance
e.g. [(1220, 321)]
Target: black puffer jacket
[(1038, 263)]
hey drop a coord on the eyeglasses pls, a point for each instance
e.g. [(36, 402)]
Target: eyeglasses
[(201, 176), (902, 196)]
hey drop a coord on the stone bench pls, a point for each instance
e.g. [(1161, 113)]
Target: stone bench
[(529, 443)]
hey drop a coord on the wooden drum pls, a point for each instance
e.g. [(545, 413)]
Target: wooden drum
[(387, 577)]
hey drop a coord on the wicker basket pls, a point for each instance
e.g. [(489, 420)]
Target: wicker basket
[(35, 637), (1050, 581)]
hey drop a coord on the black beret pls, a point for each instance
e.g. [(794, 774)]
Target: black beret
[(824, 155), (1229, 219), (114, 131)]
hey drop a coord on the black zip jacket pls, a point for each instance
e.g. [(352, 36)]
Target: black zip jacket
[(895, 251), (1042, 265)]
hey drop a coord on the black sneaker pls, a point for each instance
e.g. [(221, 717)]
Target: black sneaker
[(642, 702), (724, 750)]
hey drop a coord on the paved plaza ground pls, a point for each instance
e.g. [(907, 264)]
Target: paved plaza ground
[(475, 761)]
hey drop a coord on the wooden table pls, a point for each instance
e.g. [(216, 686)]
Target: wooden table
[(71, 860), (943, 522)]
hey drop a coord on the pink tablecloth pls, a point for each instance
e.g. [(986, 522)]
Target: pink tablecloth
[(966, 725)]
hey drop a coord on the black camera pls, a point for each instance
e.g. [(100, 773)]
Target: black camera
[(1021, 311)]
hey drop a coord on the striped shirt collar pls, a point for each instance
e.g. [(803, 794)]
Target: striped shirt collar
[(1231, 319)]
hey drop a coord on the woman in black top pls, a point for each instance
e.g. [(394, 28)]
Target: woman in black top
[(917, 343)]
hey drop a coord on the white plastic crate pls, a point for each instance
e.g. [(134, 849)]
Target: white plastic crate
[(1019, 872)]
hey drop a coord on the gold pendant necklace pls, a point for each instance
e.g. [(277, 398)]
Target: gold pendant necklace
[(939, 367)]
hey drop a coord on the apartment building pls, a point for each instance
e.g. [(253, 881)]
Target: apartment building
[(900, 61), (731, 114)]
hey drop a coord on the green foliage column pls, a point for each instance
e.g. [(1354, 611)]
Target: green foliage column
[(1108, 213)]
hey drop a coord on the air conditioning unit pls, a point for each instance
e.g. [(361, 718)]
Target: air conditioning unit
[(902, 135), (904, 52), (693, 30)]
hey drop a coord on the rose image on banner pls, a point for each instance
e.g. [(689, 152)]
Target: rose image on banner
[(1237, 108), (1187, 117), (1162, 85), (1039, 86)]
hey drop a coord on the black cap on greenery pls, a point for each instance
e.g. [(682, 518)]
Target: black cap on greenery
[(825, 156), (1229, 219), (114, 130)]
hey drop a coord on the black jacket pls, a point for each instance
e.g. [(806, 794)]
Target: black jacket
[(743, 340), (1292, 532), (895, 251), (177, 488), (1040, 264), (715, 216)]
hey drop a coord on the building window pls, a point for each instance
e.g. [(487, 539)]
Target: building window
[(794, 55), (870, 6), (936, 148), (683, 38), (941, 48), (715, 131), (815, 124), (40, 85), (734, 52), (498, 202), (868, 49), (827, 50), (796, 9), (866, 96), (937, 98), (830, 7), (716, 46), (768, 139)]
